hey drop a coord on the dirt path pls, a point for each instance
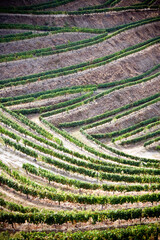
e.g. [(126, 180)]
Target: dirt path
[(16, 160), (75, 132), (141, 151), (66, 143)]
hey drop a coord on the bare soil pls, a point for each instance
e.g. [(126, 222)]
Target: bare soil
[(128, 120), (109, 102), (155, 3), (122, 68), (80, 226), (139, 151), (140, 134), (54, 205), (4, 32), (124, 3), (43, 42), (75, 5), (45, 102), (16, 3), (95, 20), (112, 45)]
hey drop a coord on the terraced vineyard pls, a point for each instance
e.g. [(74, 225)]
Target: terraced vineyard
[(80, 119)]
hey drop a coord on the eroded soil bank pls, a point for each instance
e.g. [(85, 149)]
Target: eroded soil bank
[(122, 68), (109, 102), (45, 102), (86, 54), (16, 3), (152, 110), (95, 20), (43, 42), (75, 5)]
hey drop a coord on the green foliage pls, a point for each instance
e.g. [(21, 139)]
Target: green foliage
[(35, 9), (53, 30), (16, 37), (28, 187), (148, 162), (32, 125), (44, 5), (20, 148), (151, 141), (50, 108), (10, 134), (48, 93), (73, 161), (135, 106), (83, 216), (127, 130), (131, 232), (117, 9), (141, 138), (17, 207), (139, 160), (142, 126), (79, 67), (142, 103)]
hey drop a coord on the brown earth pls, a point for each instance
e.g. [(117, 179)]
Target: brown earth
[(125, 67), (14, 31), (109, 46), (124, 3), (122, 68), (128, 120), (80, 226), (75, 5), (66, 7), (16, 3), (43, 42), (109, 102), (95, 20), (45, 102), (156, 3)]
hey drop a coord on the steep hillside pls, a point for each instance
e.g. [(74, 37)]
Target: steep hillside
[(80, 119)]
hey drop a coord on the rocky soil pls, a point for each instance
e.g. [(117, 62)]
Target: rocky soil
[(45, 102), (43, 42), (128, 120), (4, 32), (75, 5), (17, 3), (109, 102), (95, 20), (40, 64), (125, 67), (122, 68), (124, 3)]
